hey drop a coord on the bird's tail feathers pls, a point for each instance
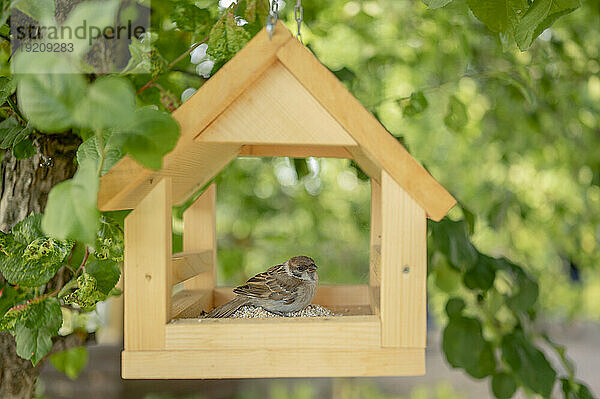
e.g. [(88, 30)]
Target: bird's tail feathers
[(227, 309)]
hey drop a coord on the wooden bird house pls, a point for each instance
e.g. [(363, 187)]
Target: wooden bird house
[(274, 98)]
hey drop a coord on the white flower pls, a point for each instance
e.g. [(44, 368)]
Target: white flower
[(204, 68), (240, 21), (187, 93), (199, 53)]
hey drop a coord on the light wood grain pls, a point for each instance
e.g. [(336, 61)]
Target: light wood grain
[(327, 295), (296, 151), (375, 142), (345, 332), (375, 247), (193, 165), (187, 265), (403, 268), (190, 303), (200, 234), (276, 109), (147, 270), (366, 164), (260, 363)]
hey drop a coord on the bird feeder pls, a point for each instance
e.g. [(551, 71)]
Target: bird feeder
[(274, 98)]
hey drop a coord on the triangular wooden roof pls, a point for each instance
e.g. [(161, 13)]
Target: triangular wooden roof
[(273, 98)]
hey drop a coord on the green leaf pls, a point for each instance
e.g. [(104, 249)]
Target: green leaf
[(92, 150), (528, 363), (37, 264), (24, 149), (109, 241), (447, 278), (49, 101), (504, 385), (109, 103), (71, 211), (7, 88), (86, 296), (498, 15), (9, 297), (226, 38), (35, 327), (540, 16), (416, 104), (141, 54), (28, 229), (481, 276), (456, 116), (454, 307), (11, 133), (70, 362), (461, 339), (189, 16), (256, 10), (451, 239), (36, 9), (436, 3), (105, 272), (151, 135), (526, 295), (485, 364)]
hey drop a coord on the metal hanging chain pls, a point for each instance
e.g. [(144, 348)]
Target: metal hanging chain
[(272, 18), (299, 17)]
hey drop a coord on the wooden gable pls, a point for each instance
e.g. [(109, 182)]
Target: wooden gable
[(274, 98)]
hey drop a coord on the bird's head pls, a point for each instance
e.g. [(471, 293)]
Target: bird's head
[(303, 267)]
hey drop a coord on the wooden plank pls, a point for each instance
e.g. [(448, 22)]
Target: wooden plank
[(190, 303), (375, 247), (296, 151), (276, 109), (368, 166), (186, 265), (260, 363), (403, 268), (327, 295), (147, 270), (193, 165), (345, 332), (190, 165), (200, 234), (376, 143)]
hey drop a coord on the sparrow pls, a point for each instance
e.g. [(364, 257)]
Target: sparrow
[(284, 288)]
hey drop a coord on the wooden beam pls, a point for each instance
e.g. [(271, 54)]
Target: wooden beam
[(276, 109), (365, 163), (375, 247), (200, 234), (376, 143), (344, 332), (190, 303), (296, 151), (403, 268), (147, 270), (187, 265), (260, 363)]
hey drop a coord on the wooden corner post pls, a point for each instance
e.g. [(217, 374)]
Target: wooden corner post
[(403, 268), (199, 235), (147, 270), (375, 247)]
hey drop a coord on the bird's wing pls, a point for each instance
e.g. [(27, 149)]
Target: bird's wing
[(274, 284)]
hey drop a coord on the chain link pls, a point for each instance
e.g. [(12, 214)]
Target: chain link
[(299, 17), (272, 18)]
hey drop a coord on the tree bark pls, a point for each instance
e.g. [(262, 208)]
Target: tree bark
[(24, 188)]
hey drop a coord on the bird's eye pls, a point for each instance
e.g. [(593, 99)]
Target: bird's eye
[(302, 268)]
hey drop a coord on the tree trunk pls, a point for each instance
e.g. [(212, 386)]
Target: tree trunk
[(24, 189)]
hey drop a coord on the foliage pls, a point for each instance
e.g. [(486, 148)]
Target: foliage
[(29, 260), (419, 71)]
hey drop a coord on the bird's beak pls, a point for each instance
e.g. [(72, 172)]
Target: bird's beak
[(312, 268)]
